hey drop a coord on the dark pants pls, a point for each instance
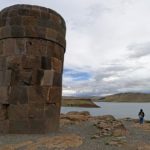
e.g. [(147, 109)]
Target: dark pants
[(141, 120)]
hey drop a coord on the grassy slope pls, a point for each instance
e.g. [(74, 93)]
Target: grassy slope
[(78, 102), (128, 97)]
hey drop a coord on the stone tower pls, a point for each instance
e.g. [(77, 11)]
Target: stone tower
[(32, 46)]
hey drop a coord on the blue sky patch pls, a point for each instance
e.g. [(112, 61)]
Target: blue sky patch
[(76, 75)]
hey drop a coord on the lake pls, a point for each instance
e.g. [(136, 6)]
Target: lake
[(118, 110)]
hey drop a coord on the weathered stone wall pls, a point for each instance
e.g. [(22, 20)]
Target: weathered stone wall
[(32, 46)]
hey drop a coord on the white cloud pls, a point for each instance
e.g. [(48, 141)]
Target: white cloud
[(139, 50)]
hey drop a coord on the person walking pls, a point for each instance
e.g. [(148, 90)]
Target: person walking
[(141, 116)]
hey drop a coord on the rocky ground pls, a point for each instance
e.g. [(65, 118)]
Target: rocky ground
[(80, 131)]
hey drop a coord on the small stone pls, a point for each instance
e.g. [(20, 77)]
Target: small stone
[(95, 137)]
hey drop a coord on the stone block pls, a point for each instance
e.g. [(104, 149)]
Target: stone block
[(35, 13), (23, 12), (33, 47), (55, 18), (15, 20), (3, 112), (51, 111), (15, 77), (5, 78), (2, 63), (37, 76), (50, 48), (37, 94), (35, 110), (9, 48), (31, 62), (52, 124), (12, 13), (2, 32), (51, 34), (48, 78), (19, 126), (20, 48), (42, 48), (14, 62), (57, 65), (57, 80), (37, 126), (54, 95), (1, 47), (30, 31), (36, 47), (4, 14), (41, 32), (43, 9), (44, 22), (45, 15), (45, 62), (18, 112), (58, 28), (5, 32), (4, 126), (2, 22), (4, 94), (27, 6), (18, 95), (17, 31), (25, 78), (58, 52), (36, 8), (28, 74), (61, 40), (29, 21), (30, 77)]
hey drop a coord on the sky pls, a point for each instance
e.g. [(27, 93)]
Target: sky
[(108, 45)]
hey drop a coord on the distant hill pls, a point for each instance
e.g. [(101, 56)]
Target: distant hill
[(127, 97)]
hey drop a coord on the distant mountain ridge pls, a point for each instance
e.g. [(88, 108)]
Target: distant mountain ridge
[(127, 97)]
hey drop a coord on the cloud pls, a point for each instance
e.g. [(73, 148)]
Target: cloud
[(114, 78), (139, 50), (107, 44)]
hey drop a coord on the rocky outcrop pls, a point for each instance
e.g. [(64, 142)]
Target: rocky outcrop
[(74, 117), (107, 125), (32, 46)]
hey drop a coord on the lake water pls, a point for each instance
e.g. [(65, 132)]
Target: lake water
[(118, 110)]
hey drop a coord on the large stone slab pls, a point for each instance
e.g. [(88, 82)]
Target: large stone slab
[(18, 95), (4, 94), (18, 112), (48, 78)]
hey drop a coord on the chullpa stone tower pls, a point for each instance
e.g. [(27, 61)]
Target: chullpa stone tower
[(32, 46)]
